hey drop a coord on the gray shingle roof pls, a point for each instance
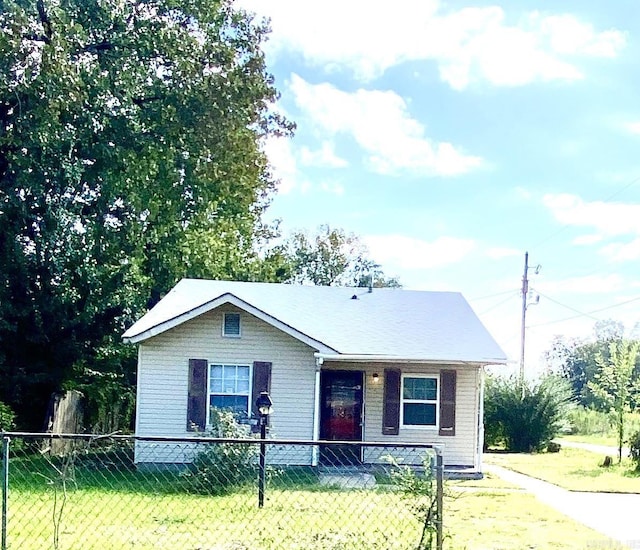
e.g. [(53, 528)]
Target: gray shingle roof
[(433, 326)]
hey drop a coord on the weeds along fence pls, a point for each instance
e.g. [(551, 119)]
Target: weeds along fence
[(86, 491)]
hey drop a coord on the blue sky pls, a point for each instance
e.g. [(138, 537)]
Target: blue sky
[(455, 136)]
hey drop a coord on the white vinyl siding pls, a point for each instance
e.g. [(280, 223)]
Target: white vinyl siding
[(459, 450), (163, 374)]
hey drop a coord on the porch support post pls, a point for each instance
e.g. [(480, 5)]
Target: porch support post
[(480, 445), (316, 413), (439, 497)]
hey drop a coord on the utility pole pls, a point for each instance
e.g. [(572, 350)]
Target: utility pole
[(525, 293), (525, 290)]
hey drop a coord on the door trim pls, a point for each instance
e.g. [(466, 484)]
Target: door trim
[(351, 454)]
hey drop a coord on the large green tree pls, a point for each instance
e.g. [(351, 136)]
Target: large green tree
[(331, 257), (617, 384), (129, 157), (577, 359)]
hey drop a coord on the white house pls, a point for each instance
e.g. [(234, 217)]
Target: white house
[(351, 364)]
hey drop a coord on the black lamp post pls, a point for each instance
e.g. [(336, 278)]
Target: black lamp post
[(264, 405)]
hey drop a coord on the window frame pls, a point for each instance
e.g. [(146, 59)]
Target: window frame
[(211, 393), (224, 325), (436, 402)]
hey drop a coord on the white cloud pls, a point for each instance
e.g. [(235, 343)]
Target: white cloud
[(584, 240), (379, 122), (608, 218), (619, 252), (633, 127), (591, 284), (399, 251), (469, 45), (333, 187), (282, 161), (568, 35), (324, 157), (523, 193), (497, 253), (284, 166)]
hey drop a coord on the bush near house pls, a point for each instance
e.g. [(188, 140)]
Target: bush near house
[(218, 469), (524, 416)]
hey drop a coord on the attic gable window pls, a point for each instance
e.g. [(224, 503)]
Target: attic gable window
[(419, 401), (231, 325)]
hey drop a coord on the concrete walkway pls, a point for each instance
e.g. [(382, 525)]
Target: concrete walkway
[(615, 515), (600, 449)]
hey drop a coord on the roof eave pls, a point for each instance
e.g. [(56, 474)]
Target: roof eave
[(363, 358)]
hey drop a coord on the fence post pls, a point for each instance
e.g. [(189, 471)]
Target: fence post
[(5, 487), (439, 497)]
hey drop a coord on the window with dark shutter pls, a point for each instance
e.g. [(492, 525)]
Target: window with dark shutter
[(391, 403), (447, 402), (261, 382), (197, 395)]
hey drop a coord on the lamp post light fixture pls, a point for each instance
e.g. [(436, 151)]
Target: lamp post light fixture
[(264, 406)]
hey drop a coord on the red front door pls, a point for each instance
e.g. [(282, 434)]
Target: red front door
[(341, 415)]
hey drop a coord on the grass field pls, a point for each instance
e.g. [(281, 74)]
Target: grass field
[(126, 509), (573, 469)]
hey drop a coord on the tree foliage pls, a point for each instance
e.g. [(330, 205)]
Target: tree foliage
[(615, 383), (577, 360), (7, 418), (524, 416), (332, 257), (129, 157)]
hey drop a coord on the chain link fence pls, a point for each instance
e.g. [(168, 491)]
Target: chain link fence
[(116, 492)]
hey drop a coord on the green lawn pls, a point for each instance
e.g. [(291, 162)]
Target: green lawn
[(573, 469), (106, 511), (508, 519), (290, 519)]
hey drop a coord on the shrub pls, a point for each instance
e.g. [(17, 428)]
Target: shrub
[(221, 467), (634, 449), (525, 416), (7, 418), (587, 421), (419, 491)]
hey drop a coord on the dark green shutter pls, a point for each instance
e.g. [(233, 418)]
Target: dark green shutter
[(447, 402), (391, 403), (197, 397), (261, 382)]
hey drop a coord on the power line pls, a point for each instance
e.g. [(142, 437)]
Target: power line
[(588, 314), (580, 313), (493, 295), (497, 305)]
